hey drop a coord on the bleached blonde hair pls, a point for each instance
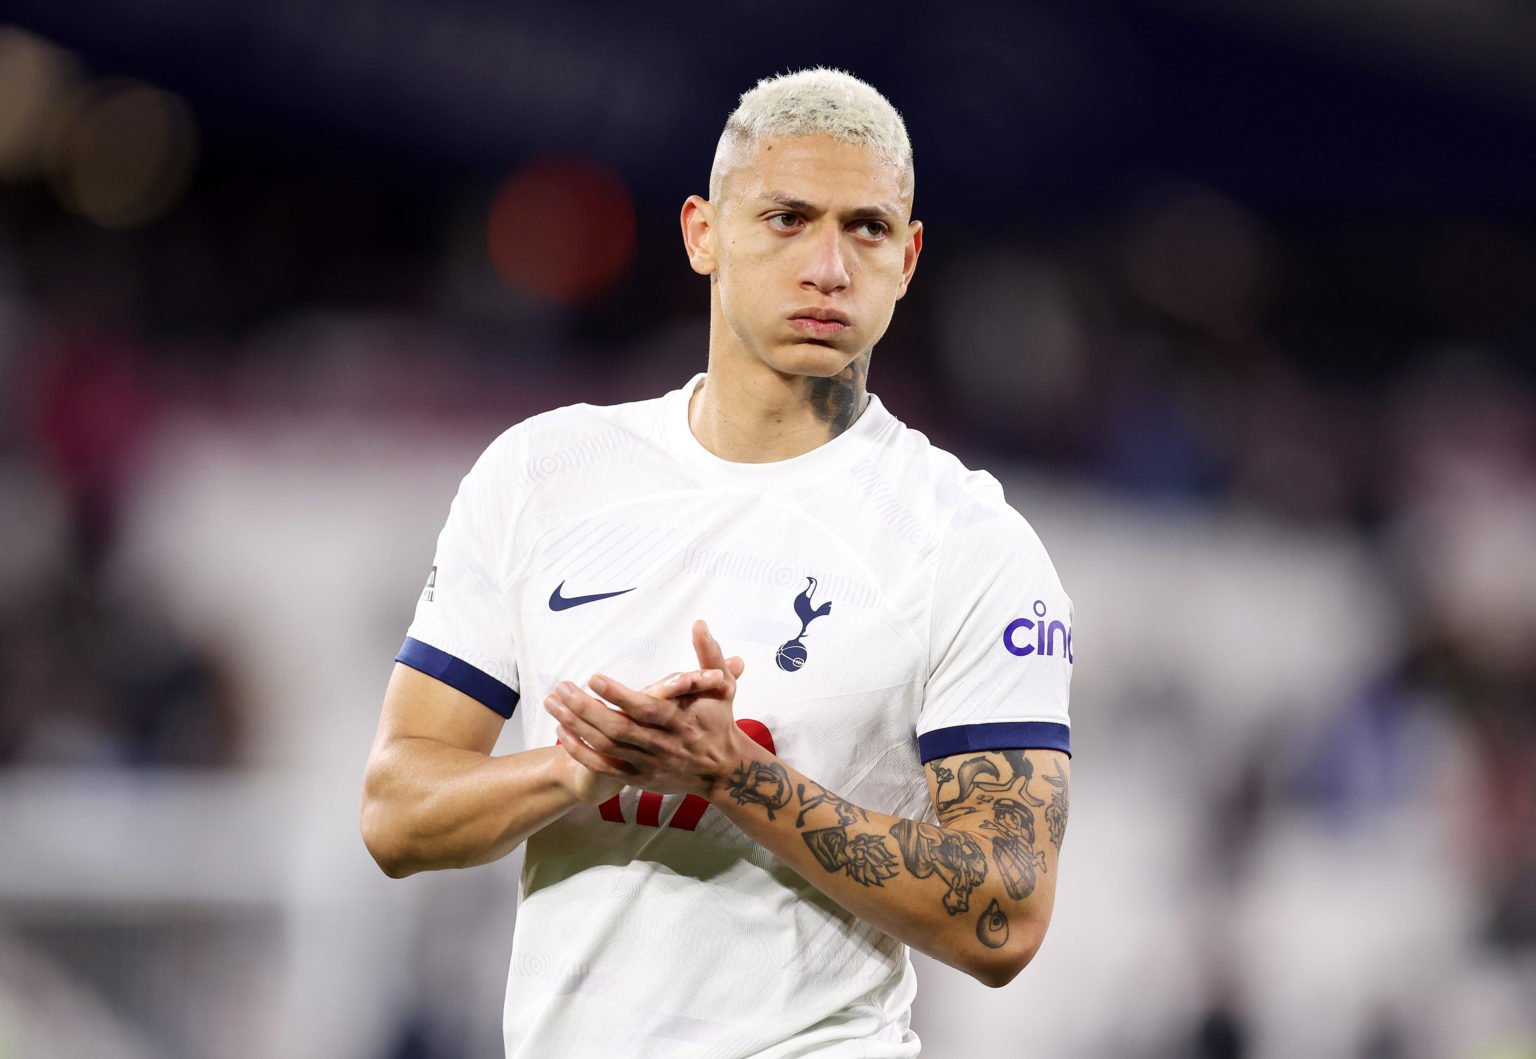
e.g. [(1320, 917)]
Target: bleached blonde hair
[(806, 102)]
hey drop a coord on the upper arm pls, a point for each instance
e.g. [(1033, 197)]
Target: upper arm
[(455, 680), (994, 733), (417, 706), (1015, 803), (1000, 644), (427, 730)]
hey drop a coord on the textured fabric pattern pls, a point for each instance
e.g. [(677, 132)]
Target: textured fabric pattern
[(874, 587)]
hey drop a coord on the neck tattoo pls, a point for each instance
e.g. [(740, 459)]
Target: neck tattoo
[(838, 401)]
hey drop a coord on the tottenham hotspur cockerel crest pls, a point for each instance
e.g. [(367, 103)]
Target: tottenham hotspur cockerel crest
[(792, 654)]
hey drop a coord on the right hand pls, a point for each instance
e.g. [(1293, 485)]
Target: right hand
[(593, 788)]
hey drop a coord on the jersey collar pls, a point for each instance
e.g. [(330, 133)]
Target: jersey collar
[(838, 454)]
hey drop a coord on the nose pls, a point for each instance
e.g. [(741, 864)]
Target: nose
[(825, 270)]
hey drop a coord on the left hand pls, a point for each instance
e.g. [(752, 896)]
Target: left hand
[(675, 737)]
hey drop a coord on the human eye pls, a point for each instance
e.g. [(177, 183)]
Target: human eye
[(784, 221), (873, 230)]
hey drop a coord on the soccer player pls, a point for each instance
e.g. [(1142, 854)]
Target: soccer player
[(728, 854)]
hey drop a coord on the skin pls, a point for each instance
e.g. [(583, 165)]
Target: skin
[(433, 797), (975, 890), (802, 227), (800, 224)]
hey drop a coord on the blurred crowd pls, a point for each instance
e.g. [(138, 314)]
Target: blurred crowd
[(1370, 378), (1364, 374)]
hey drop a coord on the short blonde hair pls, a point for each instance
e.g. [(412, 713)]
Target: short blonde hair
[(807, 102)]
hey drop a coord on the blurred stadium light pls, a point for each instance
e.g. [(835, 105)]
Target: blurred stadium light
[(562, 229), (127, 155), (36, 80)]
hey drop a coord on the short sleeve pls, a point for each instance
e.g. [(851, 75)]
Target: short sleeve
[(462, 633), (1000, 655)]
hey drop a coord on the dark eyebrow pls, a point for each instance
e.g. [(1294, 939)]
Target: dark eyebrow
[(789, 202), (884, 213), (873, 213)]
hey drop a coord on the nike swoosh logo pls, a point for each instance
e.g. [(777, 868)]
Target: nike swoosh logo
[(559, 602)]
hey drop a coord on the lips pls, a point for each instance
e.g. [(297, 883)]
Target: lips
[(819, 323)]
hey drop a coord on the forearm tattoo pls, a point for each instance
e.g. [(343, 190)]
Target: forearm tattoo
[(1006, 803), (953, 856), (847, 813), (754, 783), (866, 859)]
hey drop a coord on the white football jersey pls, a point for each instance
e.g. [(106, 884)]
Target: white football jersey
[(891, 608)]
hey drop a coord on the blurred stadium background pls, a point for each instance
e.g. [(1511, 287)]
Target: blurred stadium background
[(1238, 300)]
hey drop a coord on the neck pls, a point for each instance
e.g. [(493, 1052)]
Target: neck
[(747, 412)]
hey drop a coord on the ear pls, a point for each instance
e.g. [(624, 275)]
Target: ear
[(698, 222), (913, 248)]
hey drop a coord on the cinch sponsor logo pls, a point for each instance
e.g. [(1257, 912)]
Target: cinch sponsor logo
[(1037, 636)]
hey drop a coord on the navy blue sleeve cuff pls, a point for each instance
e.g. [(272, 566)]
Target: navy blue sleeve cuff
[(1004, 735), (456, 673)]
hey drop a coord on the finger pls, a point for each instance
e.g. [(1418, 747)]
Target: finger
[(637, 704), (676, 689), (708, 649), (604, 730), (593, 737), (595, 711), (736, 665), (590, 759), (696, 682), (658, 689)]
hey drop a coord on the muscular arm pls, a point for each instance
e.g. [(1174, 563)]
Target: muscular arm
[(974, 891), (434, 797)]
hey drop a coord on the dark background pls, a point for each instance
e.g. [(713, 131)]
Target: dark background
[(1238, 300)]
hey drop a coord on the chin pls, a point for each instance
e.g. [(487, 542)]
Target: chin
[(816, 361)]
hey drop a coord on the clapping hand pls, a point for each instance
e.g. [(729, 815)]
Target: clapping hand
[(674, 737)]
